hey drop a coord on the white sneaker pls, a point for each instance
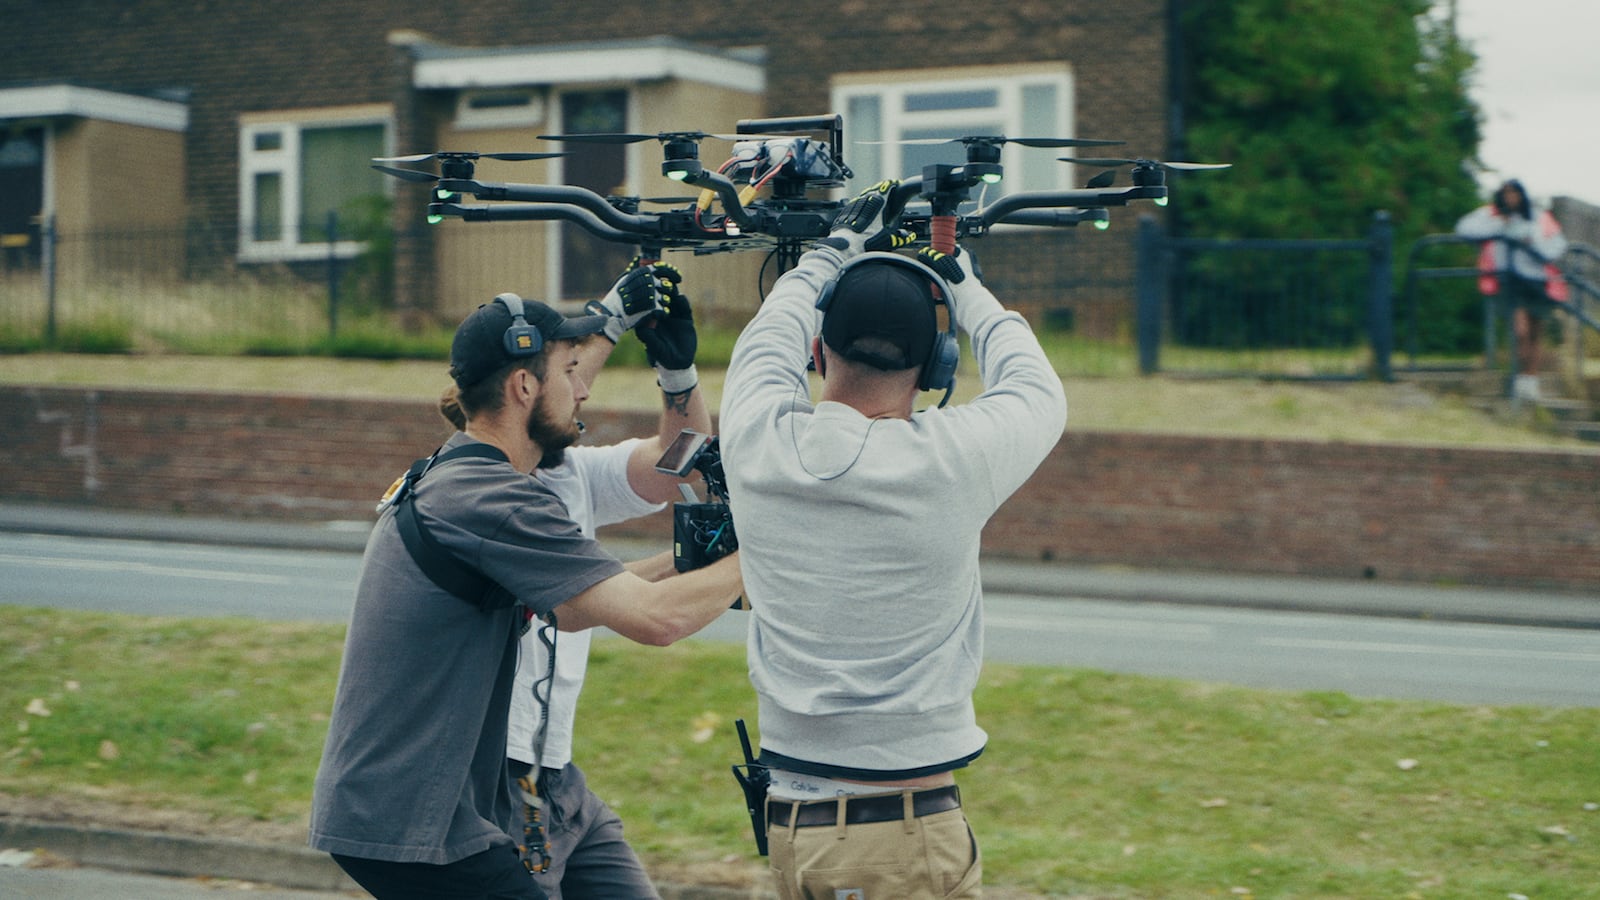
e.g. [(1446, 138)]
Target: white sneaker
[(1525, 387)]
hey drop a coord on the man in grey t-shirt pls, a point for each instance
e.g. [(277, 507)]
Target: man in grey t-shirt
[(412, 798)]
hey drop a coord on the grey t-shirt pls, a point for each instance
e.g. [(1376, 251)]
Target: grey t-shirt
[(413, 768)]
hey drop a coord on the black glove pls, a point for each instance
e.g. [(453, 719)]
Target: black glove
[(856, 227), (635, 297), (670, 341), (952, 267)]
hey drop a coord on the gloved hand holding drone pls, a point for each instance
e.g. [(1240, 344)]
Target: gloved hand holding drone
[(647, 300), (669, 339), (858, 227), (634, 297)]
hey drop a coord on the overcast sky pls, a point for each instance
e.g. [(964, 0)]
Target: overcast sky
[(1538, 83)]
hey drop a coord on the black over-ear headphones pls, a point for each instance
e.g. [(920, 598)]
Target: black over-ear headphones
[(521, 339), (939, 372)]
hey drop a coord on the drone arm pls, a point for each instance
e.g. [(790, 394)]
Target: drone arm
[(899, 196), (544, 212), (1006, 207), (559, 194), (1053, 218), (727, 192)]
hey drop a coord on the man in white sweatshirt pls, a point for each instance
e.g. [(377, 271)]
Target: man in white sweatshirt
[(859, 520)]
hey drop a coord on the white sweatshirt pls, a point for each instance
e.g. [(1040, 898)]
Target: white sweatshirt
[(859, 537)]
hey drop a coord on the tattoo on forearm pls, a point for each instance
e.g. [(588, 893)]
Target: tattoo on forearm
[(676, 403)]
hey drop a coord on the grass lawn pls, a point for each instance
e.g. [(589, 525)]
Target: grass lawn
[(1093, 785)]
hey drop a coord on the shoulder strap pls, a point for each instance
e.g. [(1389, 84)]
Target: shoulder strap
[(441, 566)]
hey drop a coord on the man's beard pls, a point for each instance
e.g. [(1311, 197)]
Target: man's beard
[(552, 437)]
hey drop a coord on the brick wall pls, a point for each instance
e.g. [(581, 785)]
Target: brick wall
[(1457, 515)]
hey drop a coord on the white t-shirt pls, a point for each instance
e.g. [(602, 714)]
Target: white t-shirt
[(593, 483)]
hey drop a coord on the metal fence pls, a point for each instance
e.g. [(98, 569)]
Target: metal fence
[(1313, 309), (1447, 324), (171, 289)]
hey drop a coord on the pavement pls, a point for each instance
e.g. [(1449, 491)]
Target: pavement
[(297, 871)]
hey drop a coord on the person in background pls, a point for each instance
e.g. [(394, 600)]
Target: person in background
[(1523, 276)]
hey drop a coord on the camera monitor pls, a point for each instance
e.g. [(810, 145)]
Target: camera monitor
[(680, 457)]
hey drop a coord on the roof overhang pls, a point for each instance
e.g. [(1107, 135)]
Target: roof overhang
[(57, 100), (440, 67)]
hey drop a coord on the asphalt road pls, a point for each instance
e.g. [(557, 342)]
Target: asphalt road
[(1245, 644)]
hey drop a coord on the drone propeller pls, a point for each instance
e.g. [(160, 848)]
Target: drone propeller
[(664, 137), (468, 154), (1106, 178), (998, 139), (1143, 163), (456, 164), (408, 174)]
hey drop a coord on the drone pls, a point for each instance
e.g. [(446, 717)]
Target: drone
[(765, 194)]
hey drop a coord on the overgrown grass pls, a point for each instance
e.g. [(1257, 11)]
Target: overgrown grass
[(1092, 784)]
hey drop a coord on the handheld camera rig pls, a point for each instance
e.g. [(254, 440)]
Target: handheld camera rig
[(702, 531)]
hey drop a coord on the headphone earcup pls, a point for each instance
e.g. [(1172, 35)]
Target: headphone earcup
[(520, 339), (940, 372), (523, 341)]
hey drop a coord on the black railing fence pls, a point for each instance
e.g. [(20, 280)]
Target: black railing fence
[(1318, 309), (1447, 323), (1315, 309)]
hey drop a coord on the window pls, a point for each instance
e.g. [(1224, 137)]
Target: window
[(298, 178), (880, 111), (505, 108)]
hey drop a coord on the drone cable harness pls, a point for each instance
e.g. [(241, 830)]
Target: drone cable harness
[(535, 847), (758, 180)]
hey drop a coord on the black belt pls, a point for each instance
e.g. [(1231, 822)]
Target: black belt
[(861, 810)]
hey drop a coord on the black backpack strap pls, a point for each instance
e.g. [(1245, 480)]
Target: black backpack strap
[(441, 566)]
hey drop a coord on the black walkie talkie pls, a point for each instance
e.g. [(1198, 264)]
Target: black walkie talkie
[(754, 780)]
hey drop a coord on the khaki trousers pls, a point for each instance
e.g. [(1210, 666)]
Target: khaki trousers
[(929, 858)]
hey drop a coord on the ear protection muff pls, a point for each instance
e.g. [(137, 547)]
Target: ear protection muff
[(521, 339), (939, 371)]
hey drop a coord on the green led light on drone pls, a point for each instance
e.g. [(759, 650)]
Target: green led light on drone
[(1102, 224), (435, 219), (1161, 201), (990, 177), (677, 174), (443, 194)]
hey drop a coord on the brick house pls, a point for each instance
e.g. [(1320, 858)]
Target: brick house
[(251, 122)]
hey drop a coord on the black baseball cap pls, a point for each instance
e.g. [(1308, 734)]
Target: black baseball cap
[(479, 348), (887, 301)]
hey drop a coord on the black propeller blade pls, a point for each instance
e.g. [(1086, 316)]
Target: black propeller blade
[(622, 137), (460, 159), (998, 139), (408, 174), (1143, 163), (1107, 178), (471, 156)]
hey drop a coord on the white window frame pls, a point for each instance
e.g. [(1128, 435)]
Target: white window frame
[(872, 162), (530, 112), (285, 162)]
